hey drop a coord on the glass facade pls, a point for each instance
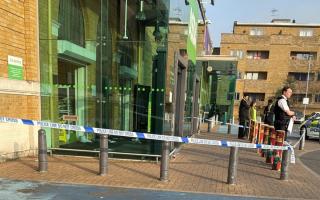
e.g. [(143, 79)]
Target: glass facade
[(103, 64)]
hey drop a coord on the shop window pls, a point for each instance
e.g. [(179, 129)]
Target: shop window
[(256, 75), (71, 22), (306, 33), (256, 55)]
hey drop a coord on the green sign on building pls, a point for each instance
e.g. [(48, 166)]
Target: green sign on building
[(15, 68), (192, 31)]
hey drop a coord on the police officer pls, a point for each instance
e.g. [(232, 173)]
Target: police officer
[(282, 110)]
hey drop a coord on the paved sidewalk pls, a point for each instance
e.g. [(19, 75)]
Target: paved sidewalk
[(197, 168)]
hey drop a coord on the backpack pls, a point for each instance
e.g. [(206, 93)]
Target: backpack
[(269, 115)]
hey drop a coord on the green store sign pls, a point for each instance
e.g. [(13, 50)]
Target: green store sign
[(15, 68), (192, 31)]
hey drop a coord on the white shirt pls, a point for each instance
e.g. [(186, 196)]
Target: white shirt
[(282, 103)]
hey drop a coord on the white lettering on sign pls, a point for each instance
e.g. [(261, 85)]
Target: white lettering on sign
[(12, 60), (192, 28)]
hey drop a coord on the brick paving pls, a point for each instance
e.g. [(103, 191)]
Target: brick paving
[(196, 168)]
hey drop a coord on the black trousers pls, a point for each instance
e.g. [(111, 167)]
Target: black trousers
[(243, 131)]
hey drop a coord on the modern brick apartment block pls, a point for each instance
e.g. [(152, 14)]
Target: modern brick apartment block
[(272, 55)]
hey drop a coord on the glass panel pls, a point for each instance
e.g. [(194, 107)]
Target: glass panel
[(100, 69)]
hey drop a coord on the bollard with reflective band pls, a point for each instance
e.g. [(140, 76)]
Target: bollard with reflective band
[(233, 162), (278, 153), (303, 139), (273, 138), (260, 137), (103, 164), (164, 167), (42, 151)]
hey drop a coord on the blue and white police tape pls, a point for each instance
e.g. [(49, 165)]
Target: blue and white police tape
[(139, 135)]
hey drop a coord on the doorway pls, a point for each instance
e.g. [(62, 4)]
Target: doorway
[(71, 83)]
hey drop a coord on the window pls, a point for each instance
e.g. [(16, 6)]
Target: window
[(237, 96), (255, 96), (306, 33), (237, 53), (298, 98), (300, 55), (256, 55), (256, 75), (318, 76), (317, 98), (72, 22), (256, 31), (301, 76)]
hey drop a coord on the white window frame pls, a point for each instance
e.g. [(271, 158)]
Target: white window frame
[(256, 31), (306, 33), (237, 53)]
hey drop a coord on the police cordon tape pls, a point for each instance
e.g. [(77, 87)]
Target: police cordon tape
[(168, 138)]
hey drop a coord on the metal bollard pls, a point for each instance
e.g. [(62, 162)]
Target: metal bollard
[(229, 127), (303, 140), (284, 165), (103, 164), (233, 162), (42, 151), (209, 125), (164, 167)]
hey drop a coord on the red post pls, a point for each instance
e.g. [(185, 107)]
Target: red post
[(278, 153)]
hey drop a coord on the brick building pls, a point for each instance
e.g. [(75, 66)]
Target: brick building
[(275, 54), (19, 75)]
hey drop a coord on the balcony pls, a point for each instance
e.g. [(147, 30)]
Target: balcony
[(281, 39), (311, 41), (261, 39), (229, 38), (302, 64), (257, 62)]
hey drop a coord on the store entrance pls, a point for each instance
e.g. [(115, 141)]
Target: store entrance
[(71, 99)]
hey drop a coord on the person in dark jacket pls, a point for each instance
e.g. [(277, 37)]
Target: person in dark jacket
[(243, 117), (282, 110)]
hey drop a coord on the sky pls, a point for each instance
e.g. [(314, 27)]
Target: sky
[(225, 12)]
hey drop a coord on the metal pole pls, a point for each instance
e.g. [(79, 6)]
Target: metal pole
[(103, 165), (229, 127), (233, 162), (209, 125), (164, 167), (303, 139), (284, 165), (307, 88), (42, 151)]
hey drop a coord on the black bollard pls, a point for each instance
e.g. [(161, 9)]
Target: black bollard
[(303, 140), (284, 165), (164, 167), (42, 151), (233, 162), (103, 164)]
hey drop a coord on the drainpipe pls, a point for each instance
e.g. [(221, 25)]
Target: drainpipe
[(50, 66), (125, 20)]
